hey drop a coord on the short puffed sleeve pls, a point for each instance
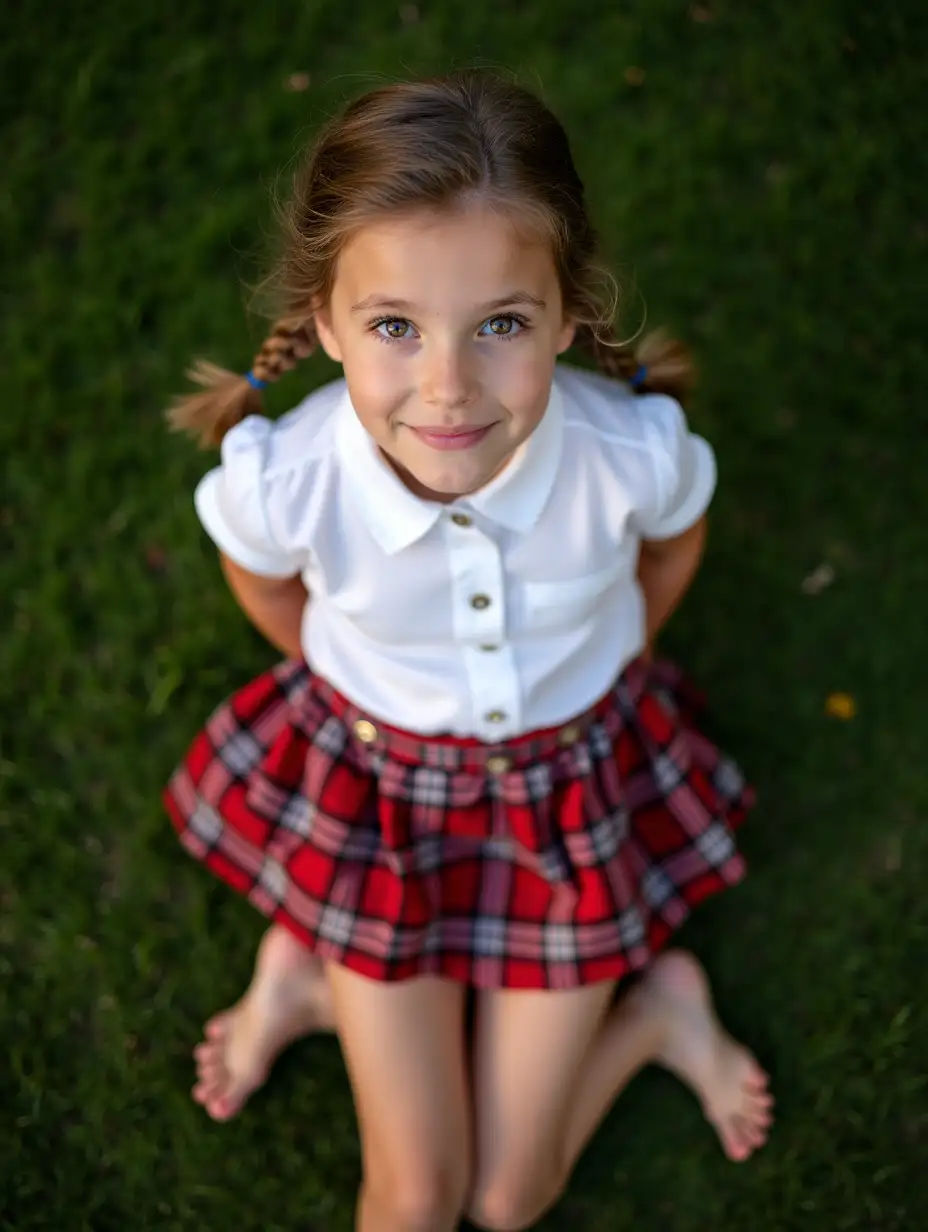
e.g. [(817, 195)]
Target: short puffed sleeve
[(232, 503), (683, 470)]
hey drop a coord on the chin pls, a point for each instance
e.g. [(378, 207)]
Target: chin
[(447, 486)]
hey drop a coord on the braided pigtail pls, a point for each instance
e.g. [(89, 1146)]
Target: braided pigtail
[(227, 397), (657, 364)]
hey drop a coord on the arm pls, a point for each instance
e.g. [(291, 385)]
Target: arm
[(273, 605), (666, 568)]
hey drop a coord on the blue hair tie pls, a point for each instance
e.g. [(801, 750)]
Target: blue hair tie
[(255, 381), (639, 378)]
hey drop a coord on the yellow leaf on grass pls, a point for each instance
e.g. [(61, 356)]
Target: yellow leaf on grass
[(841, 706)]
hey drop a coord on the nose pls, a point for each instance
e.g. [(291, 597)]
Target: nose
[(448, 378)]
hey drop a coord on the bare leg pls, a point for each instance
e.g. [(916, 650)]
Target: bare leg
[(404, 1049), (669, 1019), (529, 1050), (288, 998), (548, 1066)]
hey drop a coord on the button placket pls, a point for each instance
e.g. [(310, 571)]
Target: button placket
[(477, 594), (494, 691), (479, 606)]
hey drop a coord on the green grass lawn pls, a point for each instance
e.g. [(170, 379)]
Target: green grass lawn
[(762, 179)]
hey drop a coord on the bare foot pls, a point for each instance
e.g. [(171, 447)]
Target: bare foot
[(730, 1084), (288, 998)]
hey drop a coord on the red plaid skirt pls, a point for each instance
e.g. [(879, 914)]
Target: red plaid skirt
[(560, 858)]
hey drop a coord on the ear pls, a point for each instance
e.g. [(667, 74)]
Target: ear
[(566, 336), (326, 334)]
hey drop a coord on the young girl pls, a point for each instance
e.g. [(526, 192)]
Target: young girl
[(468, 774)]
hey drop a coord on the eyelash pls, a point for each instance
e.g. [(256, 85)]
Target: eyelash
[(523, 324)]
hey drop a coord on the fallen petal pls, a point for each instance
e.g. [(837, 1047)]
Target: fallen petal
[(841, 706)]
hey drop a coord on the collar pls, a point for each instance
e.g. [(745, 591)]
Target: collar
[(396, 518)]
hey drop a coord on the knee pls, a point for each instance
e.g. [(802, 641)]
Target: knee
[(419, 1197), (511, 1204)]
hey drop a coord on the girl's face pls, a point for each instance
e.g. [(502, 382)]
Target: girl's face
[(448, 326)]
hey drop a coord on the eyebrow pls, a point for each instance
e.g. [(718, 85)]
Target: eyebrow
[(404, 305)]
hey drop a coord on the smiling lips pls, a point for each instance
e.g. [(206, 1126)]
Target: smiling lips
[(452, 438)]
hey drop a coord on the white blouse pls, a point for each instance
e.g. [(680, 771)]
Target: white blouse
[(509, 610)]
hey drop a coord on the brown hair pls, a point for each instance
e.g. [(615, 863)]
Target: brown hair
[(431, 143)]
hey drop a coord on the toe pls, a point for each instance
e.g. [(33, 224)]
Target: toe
[(209, 1061), (757, 1136), (209, 1057), (215, 1029), (739, 1138), (754, 1133), (212, 1072), (211, 1088), (224, 1095), (742, 1147), (757, 1105), (756, 1079), (222, 1107), (731, 1143)]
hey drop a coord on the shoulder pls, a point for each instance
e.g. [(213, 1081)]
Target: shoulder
[(298, 442), (606, 413), (645, 445), (261, 502)]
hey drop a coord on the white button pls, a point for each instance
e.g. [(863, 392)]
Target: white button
[(480, 602)]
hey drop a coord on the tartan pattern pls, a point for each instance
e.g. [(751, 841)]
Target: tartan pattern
[(408, 856)]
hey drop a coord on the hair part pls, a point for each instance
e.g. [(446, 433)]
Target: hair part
[(430, 144)]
